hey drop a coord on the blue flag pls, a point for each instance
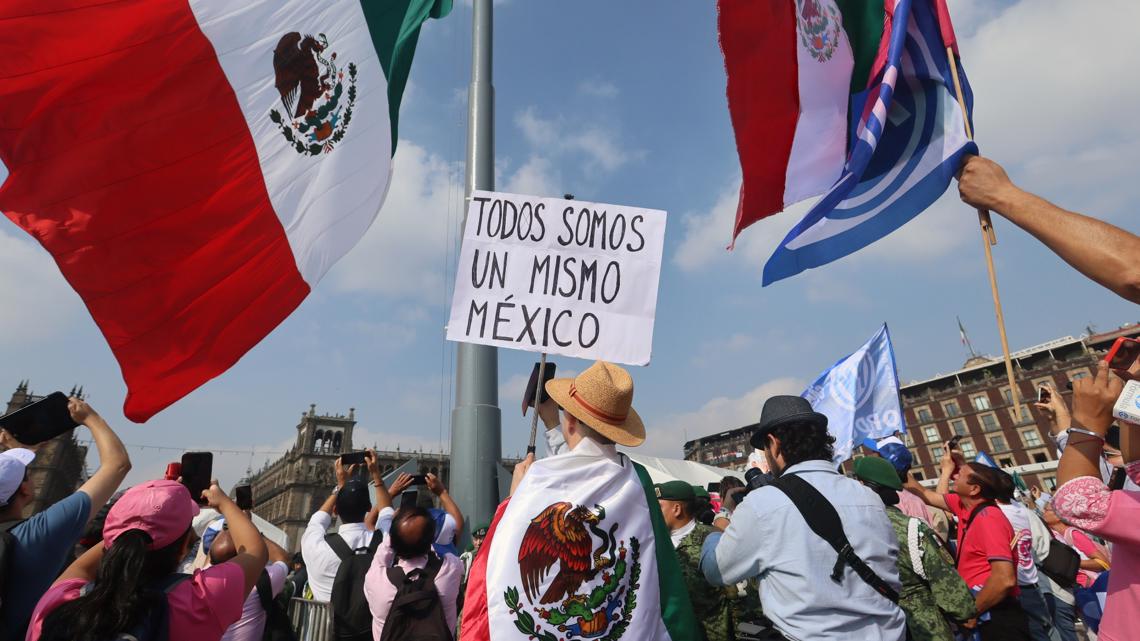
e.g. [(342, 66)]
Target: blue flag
[(860, 395), (908, 137)]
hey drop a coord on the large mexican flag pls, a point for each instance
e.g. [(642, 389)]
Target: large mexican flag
[(580, 551), (196, 166), (792, 67)]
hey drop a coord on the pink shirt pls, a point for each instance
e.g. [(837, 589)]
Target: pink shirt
[(251, 625), (1087, 503), (379, 590), (201, 608)]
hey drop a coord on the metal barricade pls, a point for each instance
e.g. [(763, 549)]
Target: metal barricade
[(312, 620)]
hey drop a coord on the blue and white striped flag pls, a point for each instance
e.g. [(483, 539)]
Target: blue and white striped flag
[(908, 141), (859, 395)]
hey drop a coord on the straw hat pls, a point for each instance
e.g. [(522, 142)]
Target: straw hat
[(602, 398)]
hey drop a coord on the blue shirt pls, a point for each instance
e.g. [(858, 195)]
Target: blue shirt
[(43, 547), (769, 539)]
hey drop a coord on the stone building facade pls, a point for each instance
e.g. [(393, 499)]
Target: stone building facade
[(973, 403), (60, 466), (289, 490)]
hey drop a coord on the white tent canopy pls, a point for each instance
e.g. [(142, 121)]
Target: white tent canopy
[(662, 470)]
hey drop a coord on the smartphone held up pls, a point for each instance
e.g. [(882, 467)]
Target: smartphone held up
[(40, 421), (197, 472)]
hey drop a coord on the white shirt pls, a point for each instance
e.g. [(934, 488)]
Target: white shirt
[(1018, 517), (794, 564), (251, 625), (680, 533), (320, 560)]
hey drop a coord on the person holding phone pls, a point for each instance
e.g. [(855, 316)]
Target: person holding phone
[(448, 518), (348, 500), (43, 543), (108, 592), (1083, 500)]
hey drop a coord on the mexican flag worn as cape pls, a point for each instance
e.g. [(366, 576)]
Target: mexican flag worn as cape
[(196, 166), (580, 551)]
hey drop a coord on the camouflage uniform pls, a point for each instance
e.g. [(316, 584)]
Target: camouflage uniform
[(943, 591), (713, 606)]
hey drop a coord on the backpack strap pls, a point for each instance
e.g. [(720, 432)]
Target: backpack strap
[(822, 518), (339, 547), (264, 591), (374, 544), (969, 521)]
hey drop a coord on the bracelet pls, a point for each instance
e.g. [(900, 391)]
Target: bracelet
[(1084, 431)]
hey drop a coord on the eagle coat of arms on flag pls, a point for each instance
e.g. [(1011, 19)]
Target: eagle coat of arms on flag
[(578, 553), (318, 108)]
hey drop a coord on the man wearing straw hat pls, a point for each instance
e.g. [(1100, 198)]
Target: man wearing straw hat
[(580, 549)]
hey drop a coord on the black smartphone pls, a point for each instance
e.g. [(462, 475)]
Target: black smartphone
[(41, 421), (713, 486), (243, 496), (953, 442), (1044, 395), (419, 479), (1116, 481), (353, 458), (408, 498), (532, 385), (197, 470)]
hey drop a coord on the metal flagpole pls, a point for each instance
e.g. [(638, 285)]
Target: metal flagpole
[(988, 239), (476, 432)]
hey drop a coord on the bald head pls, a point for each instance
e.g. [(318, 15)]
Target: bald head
[(412, 532), (222, 549)]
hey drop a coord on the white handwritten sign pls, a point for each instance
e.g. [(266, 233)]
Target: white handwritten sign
[(559, 276)]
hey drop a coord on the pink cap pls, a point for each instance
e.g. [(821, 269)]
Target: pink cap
[(162, 509)]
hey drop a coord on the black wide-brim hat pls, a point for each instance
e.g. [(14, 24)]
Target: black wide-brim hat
[(785, 410)]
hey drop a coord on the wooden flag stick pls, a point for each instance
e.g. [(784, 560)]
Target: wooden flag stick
[(530, 449), (988, 240)]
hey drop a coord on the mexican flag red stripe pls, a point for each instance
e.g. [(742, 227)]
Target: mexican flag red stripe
[(792, 66), (196, 166)]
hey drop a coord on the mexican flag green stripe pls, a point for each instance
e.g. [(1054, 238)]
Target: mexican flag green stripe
[(676, 610), (863, 22), (395, 29)]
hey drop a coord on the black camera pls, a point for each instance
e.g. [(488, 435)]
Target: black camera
[(753, 479)]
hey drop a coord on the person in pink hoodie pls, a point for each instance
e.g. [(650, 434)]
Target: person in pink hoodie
[(1084, 501)]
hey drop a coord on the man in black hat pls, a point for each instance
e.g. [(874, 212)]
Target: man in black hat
[(844, 586)]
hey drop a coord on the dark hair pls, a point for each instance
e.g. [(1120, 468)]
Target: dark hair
[(119, 597), (888, 496), (987, 478), (352, 502), (801, 442), (411, 548), (1004, 486), (728, 483)]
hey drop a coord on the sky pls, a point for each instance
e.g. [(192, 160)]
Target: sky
[(625, 103)]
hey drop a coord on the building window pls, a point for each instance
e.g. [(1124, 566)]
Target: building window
[(1040, 457), (989, 422), (968, 449), (981, 402), (924, 415), (997, 442), (1025, 417), (917, 476), (1007, 395), (1031, 438), (1050, 482), (936, 451), (959, 427), (951, 408), (908, 439), (932, 435)]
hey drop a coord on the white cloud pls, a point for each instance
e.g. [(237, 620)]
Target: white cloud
[(666, 436), (552, 137), (598, 88), (403, 254), (536, 176)]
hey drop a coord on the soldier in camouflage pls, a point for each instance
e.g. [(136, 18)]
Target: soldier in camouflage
[(932, 590), (713, 606)]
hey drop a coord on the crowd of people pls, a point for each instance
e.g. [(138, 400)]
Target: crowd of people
[(798, 550)]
